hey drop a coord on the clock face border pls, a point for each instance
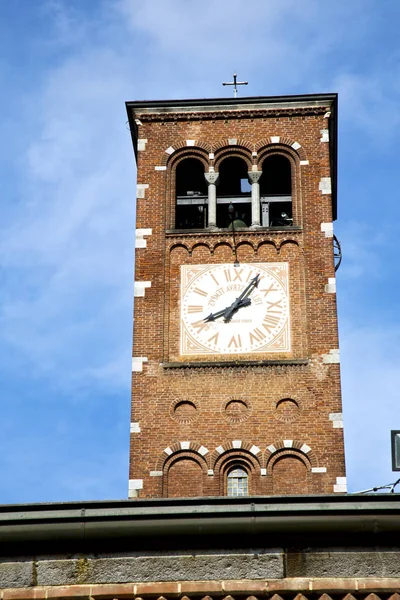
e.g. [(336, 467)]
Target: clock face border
[(261, 328)]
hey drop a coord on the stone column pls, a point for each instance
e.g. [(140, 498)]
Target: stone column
[(254, 177), (212, 180)]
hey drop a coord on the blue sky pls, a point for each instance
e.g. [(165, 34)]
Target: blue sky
[(67, 210)]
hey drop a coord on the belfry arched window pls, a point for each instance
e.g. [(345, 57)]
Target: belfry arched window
[(191, 195), (276, 192), (237, 482), (233, 188)]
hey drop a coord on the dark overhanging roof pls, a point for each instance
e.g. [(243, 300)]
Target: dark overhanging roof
[(184, 105), (325, 519)]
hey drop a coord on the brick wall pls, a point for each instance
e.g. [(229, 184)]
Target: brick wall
[(193, 417)]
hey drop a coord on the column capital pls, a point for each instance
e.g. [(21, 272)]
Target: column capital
[(254, 176), (212, 177)]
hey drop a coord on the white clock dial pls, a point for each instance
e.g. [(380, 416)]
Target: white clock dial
[(261, 325)]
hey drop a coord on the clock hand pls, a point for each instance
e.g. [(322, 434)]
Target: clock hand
[(238, 303), (220, 313)]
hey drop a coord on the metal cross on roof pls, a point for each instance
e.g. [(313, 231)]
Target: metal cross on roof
[(235, 83)]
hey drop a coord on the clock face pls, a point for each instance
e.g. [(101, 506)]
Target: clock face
[(234, 310)]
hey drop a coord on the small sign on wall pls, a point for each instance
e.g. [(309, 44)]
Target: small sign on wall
[(395, 435)]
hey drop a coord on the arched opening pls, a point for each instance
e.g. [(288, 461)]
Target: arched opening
[(233, 188), (276, 191), (185, 479), (237, 481), (289, 476), (191, 195)]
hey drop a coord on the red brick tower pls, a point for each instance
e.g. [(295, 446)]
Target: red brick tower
[(235, 369)]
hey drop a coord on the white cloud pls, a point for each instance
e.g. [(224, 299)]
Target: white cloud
[(67, 247)]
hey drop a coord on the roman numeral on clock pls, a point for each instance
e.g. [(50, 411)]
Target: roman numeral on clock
[(228, 275), (256, 336), (238, 274), (213, 339), (277, 304), (199, 326), (235, 342), (268, 290), (269, 322), (194, 308), (200, 292)]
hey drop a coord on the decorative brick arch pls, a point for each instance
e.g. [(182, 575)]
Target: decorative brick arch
[(172, 151), (203, 244), (187, 152), (233, 152), (248, 243), (240, 143), (176, 245), (180, 449), (234, 457), (287, 241), (299, 449), (272, 142), (173, 460), (232, 449)]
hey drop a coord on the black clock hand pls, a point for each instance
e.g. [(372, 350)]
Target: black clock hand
[(238, 303), (220, 313)]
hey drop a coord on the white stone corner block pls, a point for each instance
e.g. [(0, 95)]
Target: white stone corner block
[(332, 357), (141, 189), (305, 449), (203, 450), (220, 449), (168, 451), (296, 145), (340, 488), (271, 448), (139, 288), (327, 229), (138, 122), (255, 450), (324, 135), (325, 185), (288, 443), (190, 142), (141, 234), (135, 427), (304, 163), (170, 150), (136, 484), (133, 494), (156, 473), (263, 472), (237, 444), (211, 156), (327, 114), (160, 168), (330, 287), (232, 141), (210, 472), (318, 470), (137, 363), (185, 445), (275, 139), (337, 424), (341, 485), (336, 416), (141, 144)]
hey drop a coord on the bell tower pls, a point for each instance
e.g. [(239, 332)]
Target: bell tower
[(235, 368)]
